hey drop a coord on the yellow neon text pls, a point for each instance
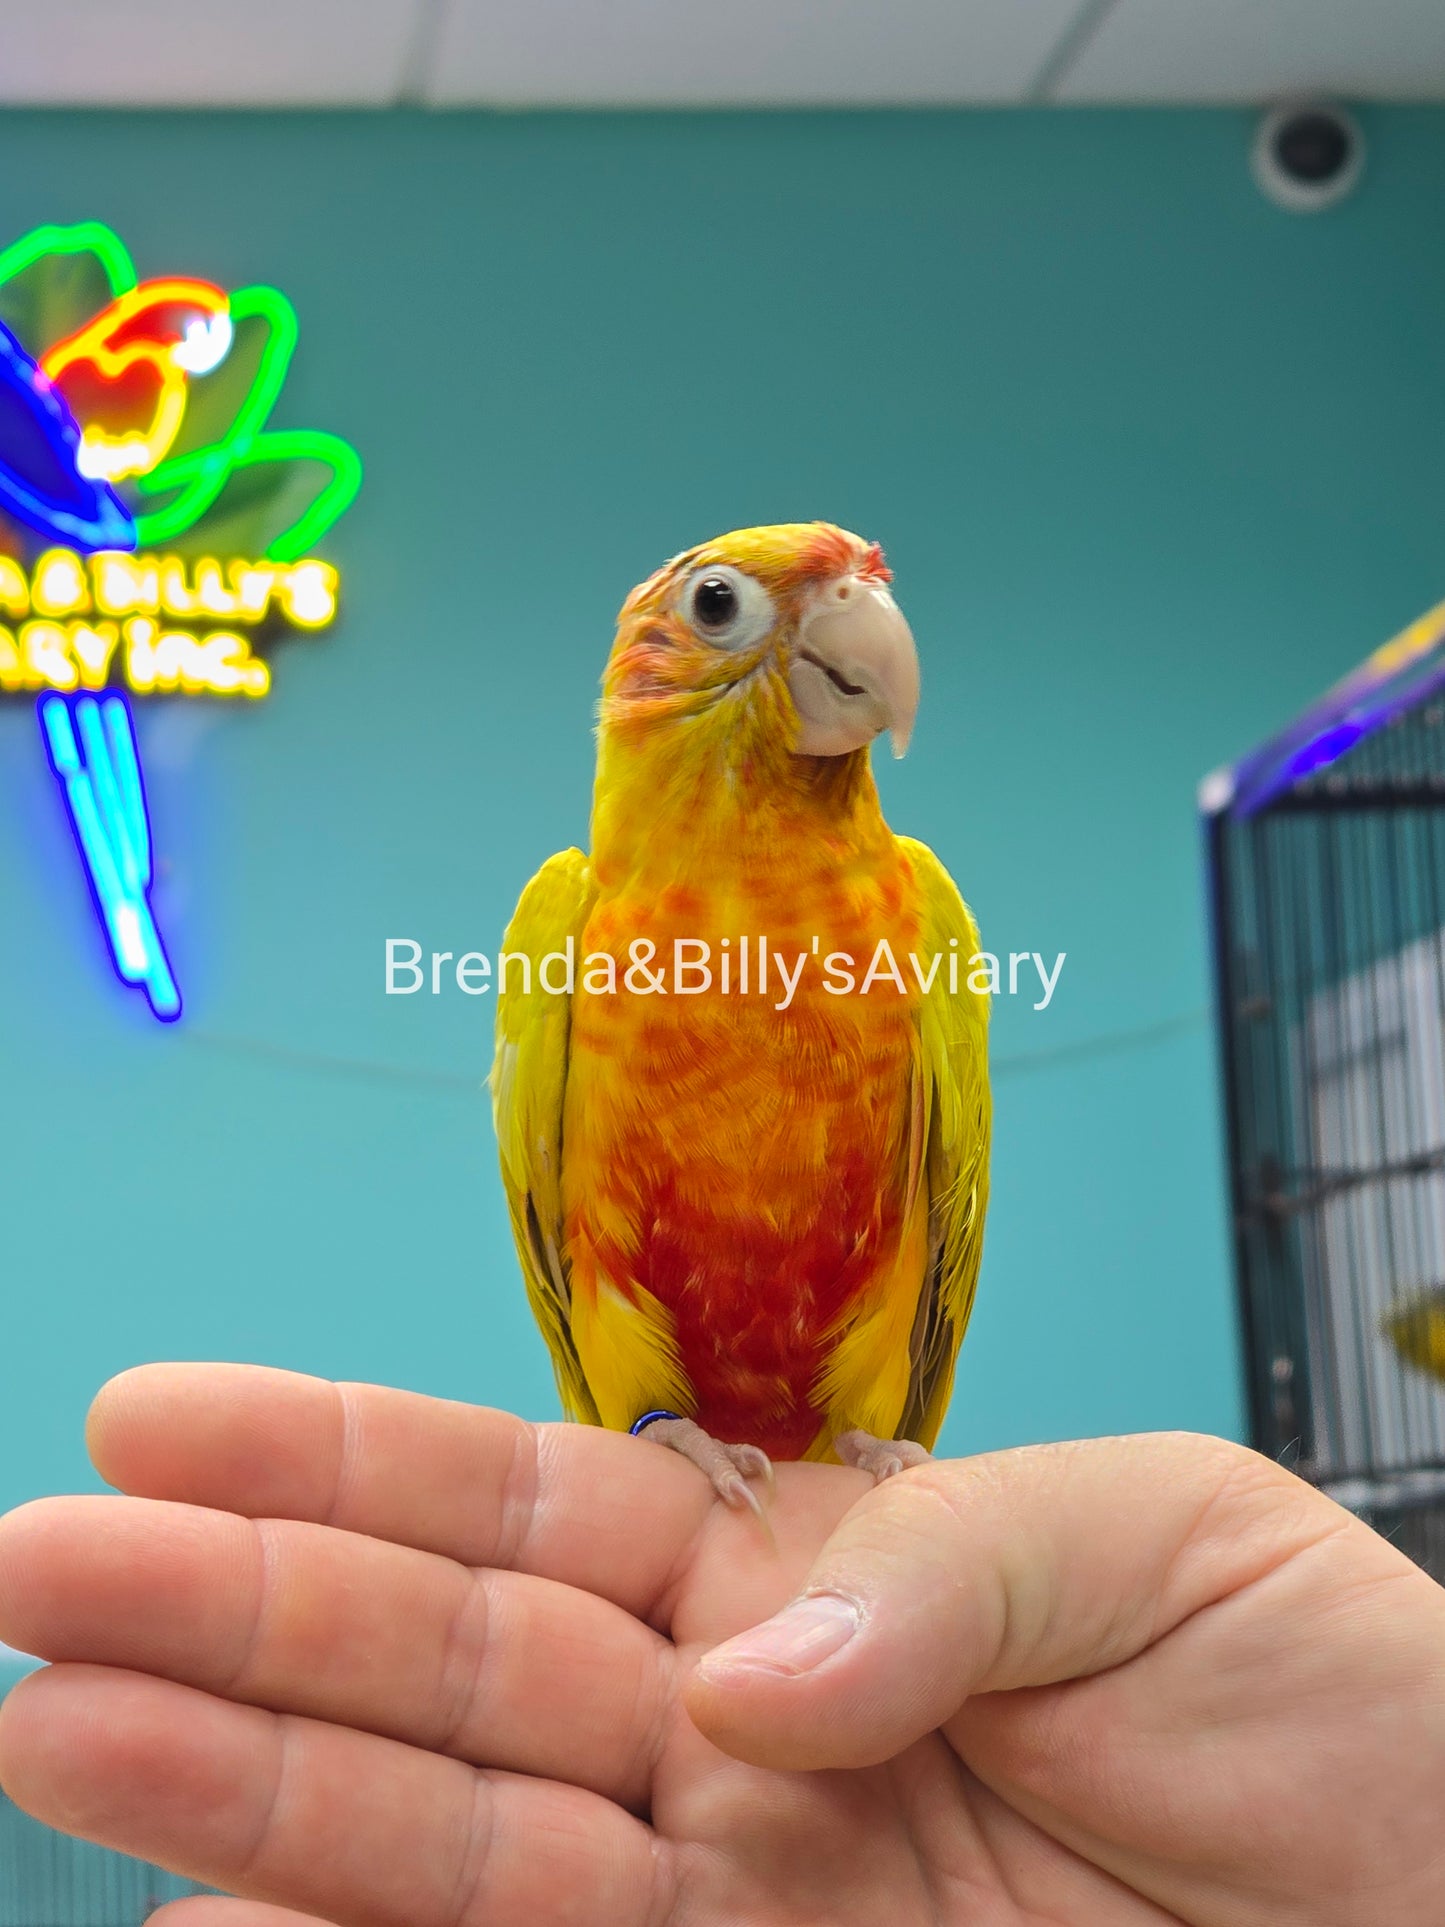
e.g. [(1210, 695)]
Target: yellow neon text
[(153, 661), (113, 583), (155, 623)]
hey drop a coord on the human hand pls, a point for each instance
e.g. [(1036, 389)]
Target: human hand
[(387, 1660)]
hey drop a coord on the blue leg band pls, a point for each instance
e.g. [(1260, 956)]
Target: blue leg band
[(641, 1425)]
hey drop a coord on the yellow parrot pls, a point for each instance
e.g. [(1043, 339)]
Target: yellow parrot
[(744, 1141)]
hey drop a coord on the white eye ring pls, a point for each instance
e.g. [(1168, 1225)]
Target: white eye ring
[(705, 607)]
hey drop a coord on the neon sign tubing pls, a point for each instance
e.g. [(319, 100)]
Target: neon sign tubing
[(106, 803)]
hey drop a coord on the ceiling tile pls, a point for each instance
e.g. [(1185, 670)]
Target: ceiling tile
[(687, 53), (692, 53), (205, 52), (1258, 50)]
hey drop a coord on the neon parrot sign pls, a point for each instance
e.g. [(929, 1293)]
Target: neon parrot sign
[(155, 532)]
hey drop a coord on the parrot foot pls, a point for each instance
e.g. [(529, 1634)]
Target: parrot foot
[(883, 1458), (729, 1467)]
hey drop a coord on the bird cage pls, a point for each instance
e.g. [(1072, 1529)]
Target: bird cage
[(1326, 866)]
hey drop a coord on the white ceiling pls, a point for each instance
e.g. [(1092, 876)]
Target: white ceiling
[(147, 53), (693, 53), (1250, 50), (700, 53)]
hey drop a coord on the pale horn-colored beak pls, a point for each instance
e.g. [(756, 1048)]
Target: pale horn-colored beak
[(854, 671)]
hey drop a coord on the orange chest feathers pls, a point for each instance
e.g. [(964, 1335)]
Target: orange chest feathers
[(738, 1149)]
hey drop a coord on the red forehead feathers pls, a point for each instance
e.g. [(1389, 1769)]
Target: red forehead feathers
[(873, 567), (833, 551)]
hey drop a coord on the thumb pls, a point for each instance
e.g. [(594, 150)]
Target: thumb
[(1019, 1568)]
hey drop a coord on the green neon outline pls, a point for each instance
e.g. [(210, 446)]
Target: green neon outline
[(282, 444), (310, 445), (204, 472), (275, 362), (83, 237)]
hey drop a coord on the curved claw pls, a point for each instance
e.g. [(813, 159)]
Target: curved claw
[(753, 1462), (728, 1468), (733, 1489), (735, 1492)]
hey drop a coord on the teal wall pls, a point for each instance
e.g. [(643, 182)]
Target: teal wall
[(1153, 462)]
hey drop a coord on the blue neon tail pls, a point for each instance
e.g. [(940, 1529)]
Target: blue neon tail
[(91, 745)]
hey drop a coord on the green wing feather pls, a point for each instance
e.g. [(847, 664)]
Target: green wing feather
[(529, 1077), (955, 1121)]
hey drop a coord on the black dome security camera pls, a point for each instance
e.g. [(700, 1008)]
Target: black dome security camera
[(1308, 155)]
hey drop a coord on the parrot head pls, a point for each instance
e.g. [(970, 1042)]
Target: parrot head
[(784, 635), (124, 375)]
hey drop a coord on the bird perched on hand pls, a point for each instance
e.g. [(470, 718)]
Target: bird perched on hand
[(749, 1217)]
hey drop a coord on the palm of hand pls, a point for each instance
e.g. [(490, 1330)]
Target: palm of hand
[(1125, 1683)]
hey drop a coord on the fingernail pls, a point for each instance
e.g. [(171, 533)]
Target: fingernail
[(795, 1640)]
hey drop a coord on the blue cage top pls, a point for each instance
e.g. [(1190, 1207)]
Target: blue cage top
[(1400, 677)]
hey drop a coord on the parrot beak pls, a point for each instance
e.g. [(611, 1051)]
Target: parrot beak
[(854, 671)]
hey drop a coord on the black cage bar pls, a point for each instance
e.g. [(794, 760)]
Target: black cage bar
[(1326, 866)]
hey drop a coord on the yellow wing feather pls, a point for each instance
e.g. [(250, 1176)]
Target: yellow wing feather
[(891, 1358), (529, 1079), (956, 1124)]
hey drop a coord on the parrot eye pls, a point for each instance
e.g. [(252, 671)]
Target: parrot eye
[(714, 602), (727, 608)]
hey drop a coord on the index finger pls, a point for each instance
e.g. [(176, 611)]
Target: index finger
[(598, 1510)]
